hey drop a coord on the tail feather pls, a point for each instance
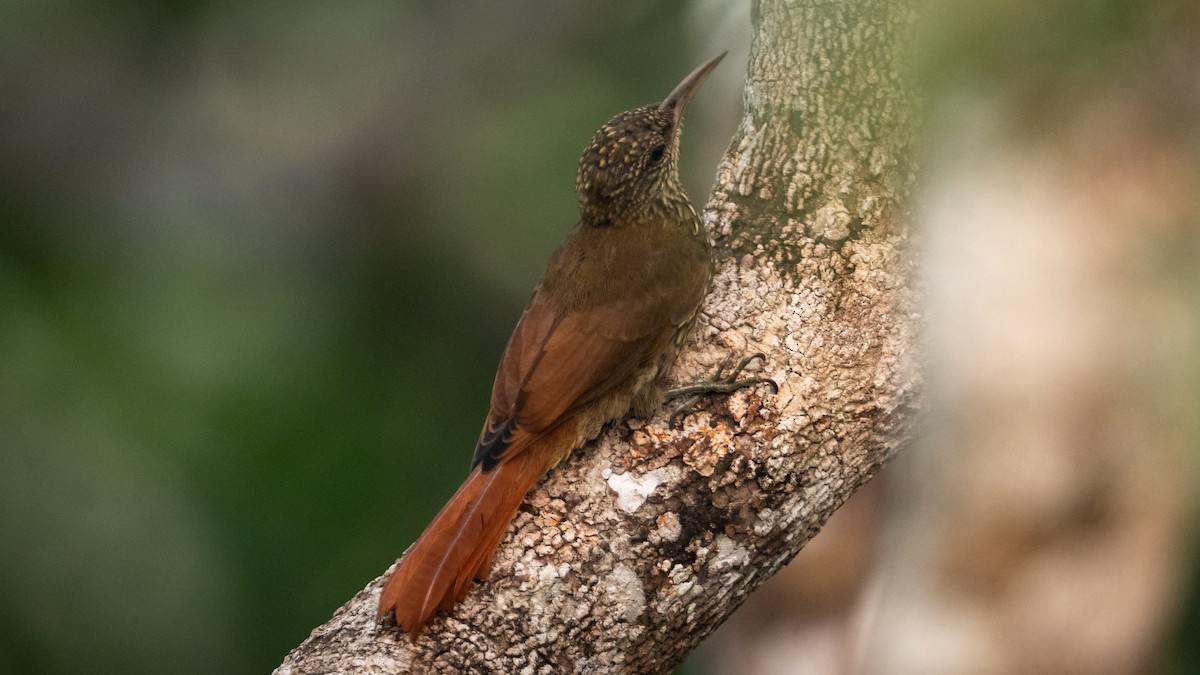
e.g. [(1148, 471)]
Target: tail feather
[(437, 570), (484, 556)]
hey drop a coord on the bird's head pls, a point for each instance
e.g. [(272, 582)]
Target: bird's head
[(633, 160)]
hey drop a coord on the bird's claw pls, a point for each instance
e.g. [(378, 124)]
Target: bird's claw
[(720, 383)]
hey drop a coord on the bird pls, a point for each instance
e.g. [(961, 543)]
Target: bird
[(616, 300)]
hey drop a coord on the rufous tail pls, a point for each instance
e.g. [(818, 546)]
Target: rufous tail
[(436, 571)]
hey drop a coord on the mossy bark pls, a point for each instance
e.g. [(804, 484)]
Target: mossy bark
[(639, 546)]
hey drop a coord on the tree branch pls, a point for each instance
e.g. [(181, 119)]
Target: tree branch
[(629, 554)]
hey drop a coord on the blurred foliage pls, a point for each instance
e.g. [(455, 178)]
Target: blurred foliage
[(257, 262)]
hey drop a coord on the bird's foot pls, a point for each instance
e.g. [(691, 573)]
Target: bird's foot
[(720, 383)]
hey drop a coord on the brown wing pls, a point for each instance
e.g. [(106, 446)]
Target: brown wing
[(558, 361)]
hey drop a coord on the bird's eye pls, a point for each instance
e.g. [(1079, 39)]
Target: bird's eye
[(657, 153)]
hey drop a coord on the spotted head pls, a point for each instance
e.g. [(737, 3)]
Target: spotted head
[(633, 159)]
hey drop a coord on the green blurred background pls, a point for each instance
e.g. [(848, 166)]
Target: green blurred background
[(257, 263)]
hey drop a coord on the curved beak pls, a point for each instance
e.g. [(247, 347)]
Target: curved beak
[(678, 99)]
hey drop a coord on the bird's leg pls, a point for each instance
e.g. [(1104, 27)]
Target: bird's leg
[(719, 383)]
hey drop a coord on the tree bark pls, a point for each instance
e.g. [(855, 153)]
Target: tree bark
[(640, 545)]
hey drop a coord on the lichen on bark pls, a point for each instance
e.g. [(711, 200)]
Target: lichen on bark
[(629, 554)]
